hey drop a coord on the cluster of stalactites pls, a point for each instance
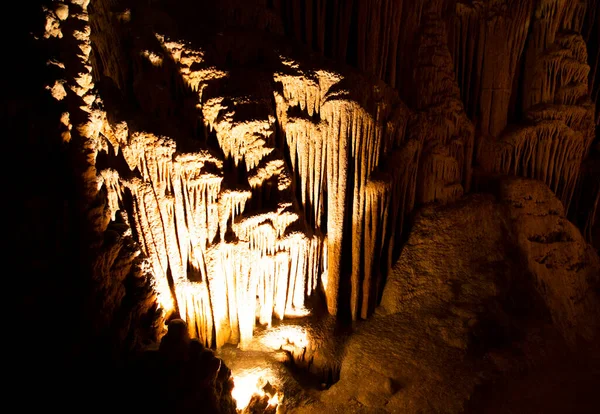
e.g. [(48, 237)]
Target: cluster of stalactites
[(181, 213), (339, 132), (218, 264), (557, 68), (561, 74), (549, 151), (487, 40), (556, 99)]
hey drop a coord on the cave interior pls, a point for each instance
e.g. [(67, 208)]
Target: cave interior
[(306, 206)]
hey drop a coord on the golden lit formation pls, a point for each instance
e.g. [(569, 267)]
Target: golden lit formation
[(303, 166), (226, 254), (285, 337), (251, 382), (182, 215)]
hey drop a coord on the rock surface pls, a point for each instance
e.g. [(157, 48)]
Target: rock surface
[(565, 269), (466, 307), (192, 376)]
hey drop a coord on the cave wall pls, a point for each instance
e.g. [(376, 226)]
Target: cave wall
[(84, 298), (516, 63)]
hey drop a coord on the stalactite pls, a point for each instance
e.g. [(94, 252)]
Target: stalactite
[(305, 142), (339, 150), (549, 151), (556, 98), (376, 225), (554, 59), (441, 174), (560, 75), (228, 265), (384, 33), (110, 180), (485, 61), (379, 26), (403, 166), (194, 303), (466, 46)]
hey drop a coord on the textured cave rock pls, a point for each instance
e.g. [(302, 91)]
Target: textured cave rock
[(194, 378), (459, 307), (239, 163), (564, 267), (421, 341)]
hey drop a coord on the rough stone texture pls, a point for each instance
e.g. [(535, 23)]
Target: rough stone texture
[(192, 376), (565, 268), (460, 303), (427, 263), (419, 342)]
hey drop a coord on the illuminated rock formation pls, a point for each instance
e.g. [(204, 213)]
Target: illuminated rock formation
[(265, 191), (341, 133), (191, 219), (449, 309)]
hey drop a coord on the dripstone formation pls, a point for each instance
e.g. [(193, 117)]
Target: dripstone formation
[(229, 165)]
